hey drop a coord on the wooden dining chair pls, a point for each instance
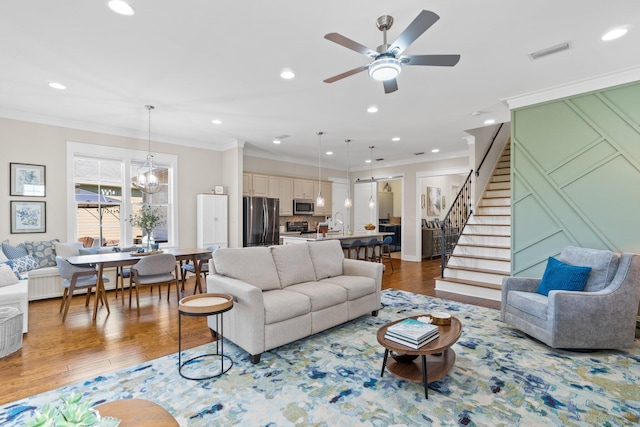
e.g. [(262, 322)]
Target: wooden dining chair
[(76, 278), (154, 270), (203, 266)]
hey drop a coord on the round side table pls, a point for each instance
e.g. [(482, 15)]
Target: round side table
[(205, 305)]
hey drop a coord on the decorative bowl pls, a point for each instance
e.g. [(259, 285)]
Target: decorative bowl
[(369, 227)]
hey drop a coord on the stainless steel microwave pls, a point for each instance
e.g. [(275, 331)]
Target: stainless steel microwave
[(302, 207)]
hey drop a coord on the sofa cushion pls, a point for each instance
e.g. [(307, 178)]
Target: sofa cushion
[(12, 252), (293, 264), (356, 286), (326, 257), (560, 276), (42, 251), (67, 249), (280, 305), (321, 295), (251, 265), (603, 263), (3, 257), (7, 276), (531, 303)]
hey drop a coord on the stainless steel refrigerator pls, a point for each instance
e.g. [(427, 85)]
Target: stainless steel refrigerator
[(261, 221)]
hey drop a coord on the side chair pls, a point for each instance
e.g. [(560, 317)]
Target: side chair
[(203, 264), (76, 278), (154, 270)]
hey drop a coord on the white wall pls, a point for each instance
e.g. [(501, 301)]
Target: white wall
[(445, 183), (25, 142)]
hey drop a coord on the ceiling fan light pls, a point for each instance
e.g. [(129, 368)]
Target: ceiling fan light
[(385, 68)]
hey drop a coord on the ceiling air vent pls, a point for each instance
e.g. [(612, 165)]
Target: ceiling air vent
[(379, 159), (550, 50), (419, 154)]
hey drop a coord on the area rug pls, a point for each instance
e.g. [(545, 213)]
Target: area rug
[(500, 378)]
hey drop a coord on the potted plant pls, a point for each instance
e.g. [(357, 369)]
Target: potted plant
[(71, 413), (147, 218)]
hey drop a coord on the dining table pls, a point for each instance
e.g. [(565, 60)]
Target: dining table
[(122, 259)]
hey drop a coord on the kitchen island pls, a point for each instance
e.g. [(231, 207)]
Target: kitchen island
[(364, 236)]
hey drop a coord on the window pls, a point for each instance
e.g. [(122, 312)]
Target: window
[(102, 198)]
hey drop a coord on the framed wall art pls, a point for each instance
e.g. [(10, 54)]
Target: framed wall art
[(434, 200), (28, 217), (27, 180)]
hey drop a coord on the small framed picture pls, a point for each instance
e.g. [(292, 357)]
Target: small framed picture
[(27, 180), (28, 217)]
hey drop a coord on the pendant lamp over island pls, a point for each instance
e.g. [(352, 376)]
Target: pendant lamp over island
[(320, 199), (348, 203), (372, 203)]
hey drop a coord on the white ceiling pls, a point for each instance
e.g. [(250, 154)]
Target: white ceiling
[(198, 60)]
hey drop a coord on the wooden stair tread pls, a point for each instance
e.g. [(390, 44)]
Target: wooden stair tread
[(478, 214), (478, 270), (488, 258), (494, 206), (491, 225), (470, 283), (472, 245), (485, 235)]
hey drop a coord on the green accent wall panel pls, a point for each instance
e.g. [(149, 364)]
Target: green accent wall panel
[(575, 166)]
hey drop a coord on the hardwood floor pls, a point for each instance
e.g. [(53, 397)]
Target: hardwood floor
[(55, 354)]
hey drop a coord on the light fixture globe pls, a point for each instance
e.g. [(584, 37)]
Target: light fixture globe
[(385, 68), (146, 179)]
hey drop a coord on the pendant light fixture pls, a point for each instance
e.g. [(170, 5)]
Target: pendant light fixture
[(372, 203), (348, 202), (146, 179), (320, 199)]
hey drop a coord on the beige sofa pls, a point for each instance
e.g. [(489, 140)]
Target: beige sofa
[(285, 293)]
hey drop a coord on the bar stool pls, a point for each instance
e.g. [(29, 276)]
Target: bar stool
[(353, 246), (384, 250), (205, 305), (370, 250)]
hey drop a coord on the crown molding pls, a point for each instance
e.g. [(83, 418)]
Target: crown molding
[(577, 87)]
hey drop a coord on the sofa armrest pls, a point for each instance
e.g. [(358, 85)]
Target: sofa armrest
[(244, 323), (352, 267)]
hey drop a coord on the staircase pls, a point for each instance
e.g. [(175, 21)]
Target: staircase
[(482, 256)]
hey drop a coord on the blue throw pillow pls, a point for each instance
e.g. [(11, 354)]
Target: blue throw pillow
[(14, 251), (564, 277)]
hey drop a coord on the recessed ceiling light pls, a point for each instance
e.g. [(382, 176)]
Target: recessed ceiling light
[(287, 74), (329, 153), (489, 122), (57, 85), (368, 161), (216, 122), (476, 113), (614, 34), (372, 109), (395, 139), (276, 141), (435, 150), (121, 7)]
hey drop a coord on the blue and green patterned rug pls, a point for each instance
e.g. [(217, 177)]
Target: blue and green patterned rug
[(500, 377)]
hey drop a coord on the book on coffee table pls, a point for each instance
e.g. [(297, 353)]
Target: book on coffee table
[(410, 344), (412, 330)]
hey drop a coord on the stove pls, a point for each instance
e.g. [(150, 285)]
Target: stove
[(302, 226)]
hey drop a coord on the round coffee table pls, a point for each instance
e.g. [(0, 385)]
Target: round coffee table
[(137, 412), (435, 358), (205, 305)]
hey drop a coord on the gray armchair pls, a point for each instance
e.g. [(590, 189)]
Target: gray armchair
[(603, 316)]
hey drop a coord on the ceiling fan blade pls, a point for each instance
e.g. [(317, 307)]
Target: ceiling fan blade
[(435, 60), (423, 21), (390, 85), (350, 44), (346, 74)]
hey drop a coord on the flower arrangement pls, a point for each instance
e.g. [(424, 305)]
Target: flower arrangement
[(147, 218)]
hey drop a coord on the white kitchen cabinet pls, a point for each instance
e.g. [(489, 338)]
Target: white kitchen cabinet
[(303, 189), (281, 187), (212, 220), (255, 185)]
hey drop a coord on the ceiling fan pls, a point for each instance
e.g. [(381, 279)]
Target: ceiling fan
[(388, 58)]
